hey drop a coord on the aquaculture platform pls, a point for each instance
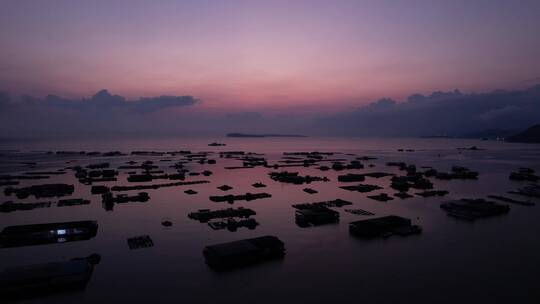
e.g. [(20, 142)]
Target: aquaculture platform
[(244, 252), (33, 280), (384, 227), (37, 234)]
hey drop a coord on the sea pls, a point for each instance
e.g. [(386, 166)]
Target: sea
[(489, 260)]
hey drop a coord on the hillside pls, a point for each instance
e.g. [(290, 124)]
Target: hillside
[(531, 135)]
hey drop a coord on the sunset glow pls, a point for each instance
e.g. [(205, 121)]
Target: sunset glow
[(267, 54)]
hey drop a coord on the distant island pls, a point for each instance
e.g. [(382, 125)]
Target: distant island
[(263, 135), (531, 135)]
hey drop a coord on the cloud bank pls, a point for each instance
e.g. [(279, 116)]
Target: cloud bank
[(101, 114), (104, 101), (450, 113)]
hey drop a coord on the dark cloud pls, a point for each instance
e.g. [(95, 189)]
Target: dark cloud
[(4, 99), (103, 113), (452, 113), (106, 101), (380, 105), (157, 103)]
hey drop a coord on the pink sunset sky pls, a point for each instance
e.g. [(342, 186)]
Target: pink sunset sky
[(268, 54)]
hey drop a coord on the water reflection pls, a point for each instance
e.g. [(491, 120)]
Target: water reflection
[(183, 182), (28, 281)]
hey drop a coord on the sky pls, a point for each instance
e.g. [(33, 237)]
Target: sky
[(274, 56)]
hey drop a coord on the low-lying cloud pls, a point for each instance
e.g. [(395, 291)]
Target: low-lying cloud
[(101, 114), (103, 100), (449, 113), (104, 114)]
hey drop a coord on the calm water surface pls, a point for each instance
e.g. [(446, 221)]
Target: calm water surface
[(489, 260)]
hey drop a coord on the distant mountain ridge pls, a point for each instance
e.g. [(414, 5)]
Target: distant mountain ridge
[(531, 135)]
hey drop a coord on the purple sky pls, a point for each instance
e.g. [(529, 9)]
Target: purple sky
[(267, 54)]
